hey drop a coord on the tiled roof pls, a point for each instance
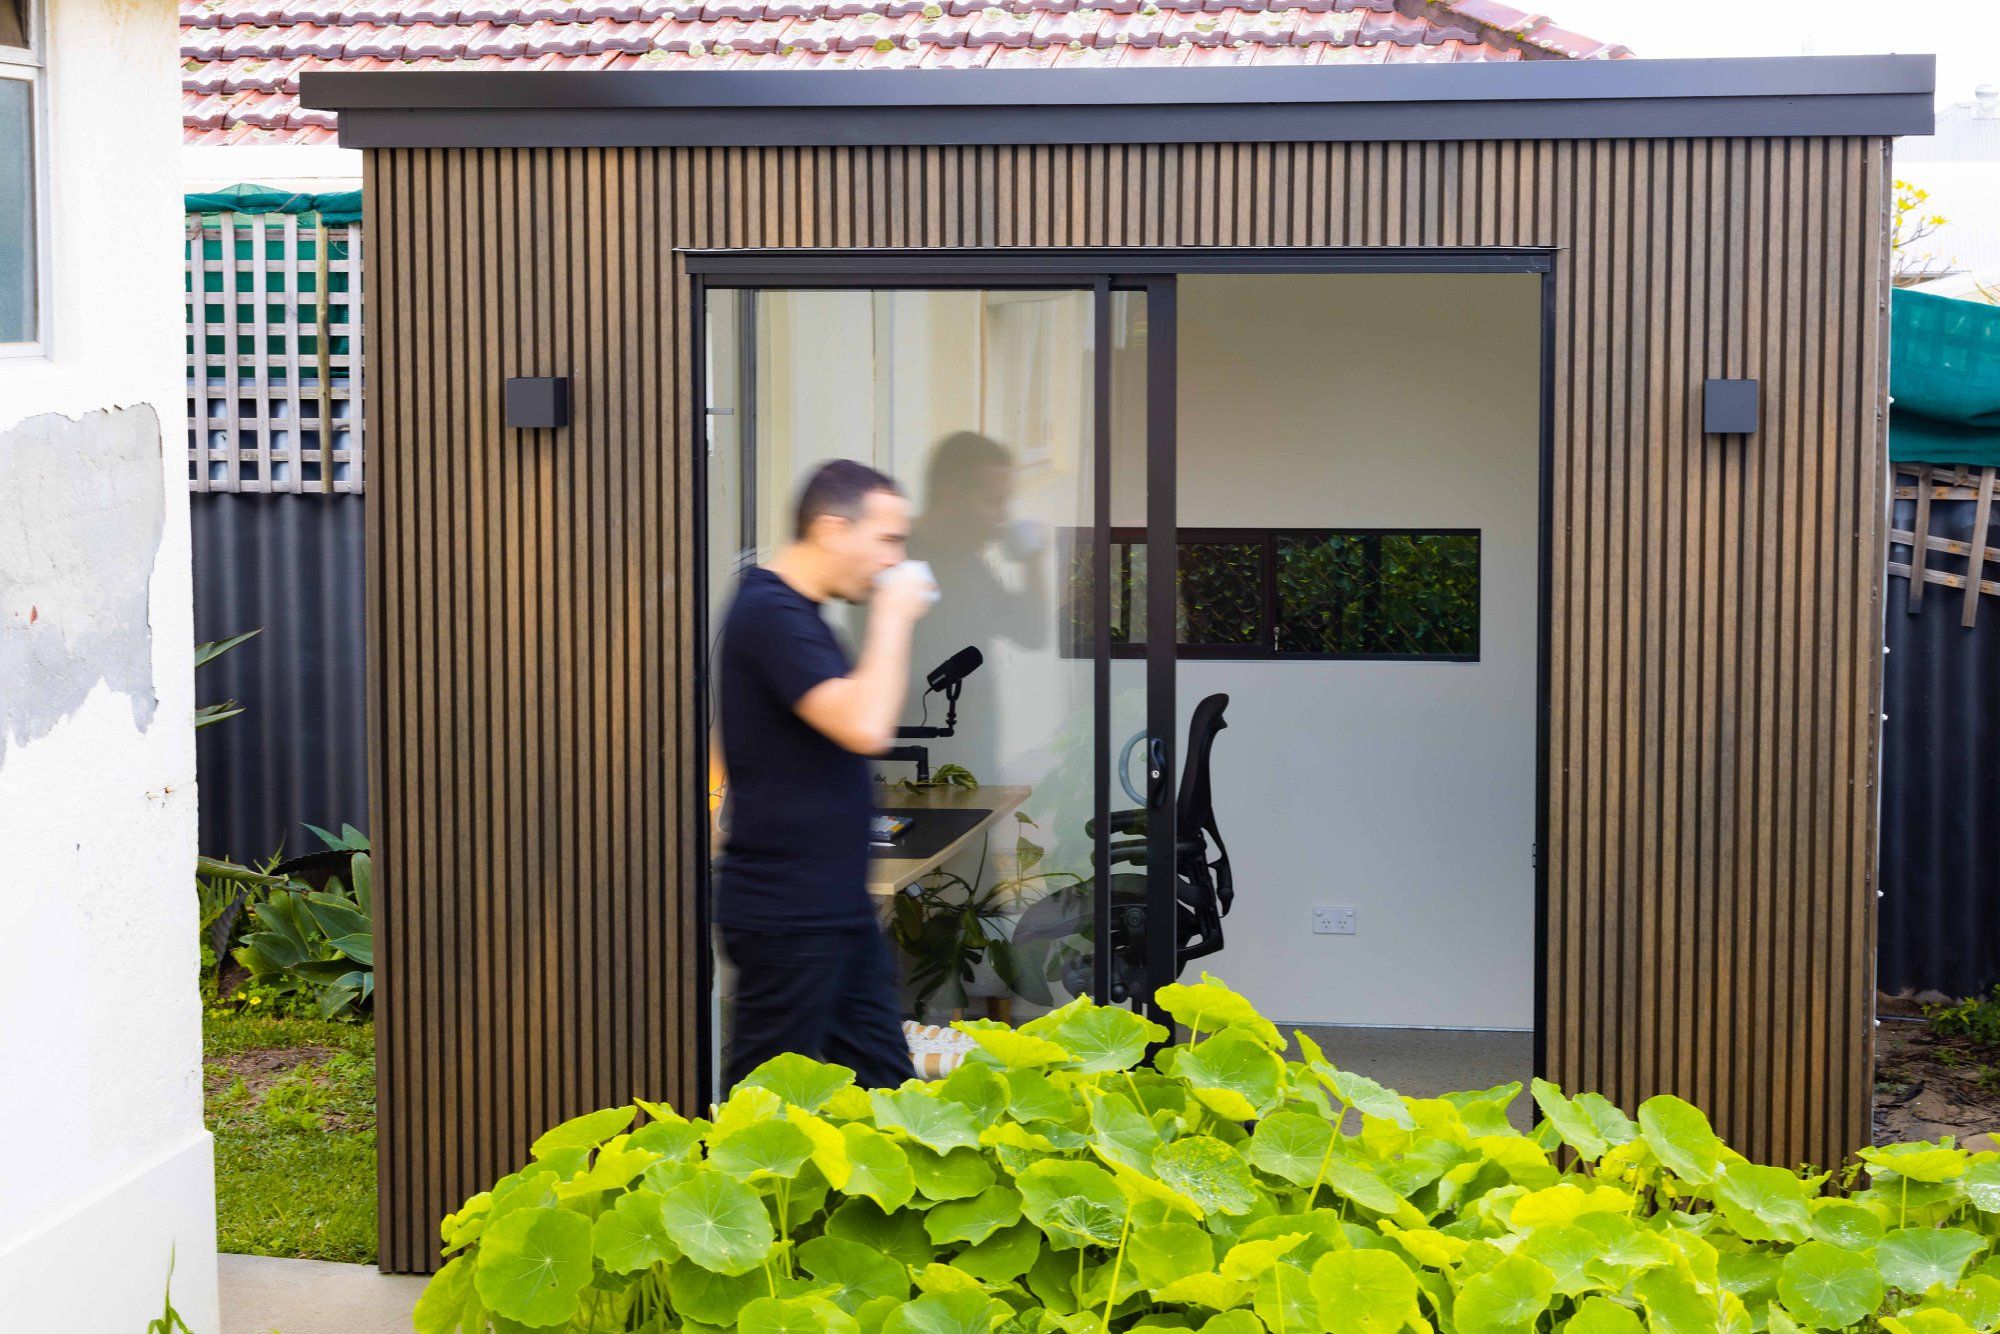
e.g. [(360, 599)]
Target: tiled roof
[(241, 59)]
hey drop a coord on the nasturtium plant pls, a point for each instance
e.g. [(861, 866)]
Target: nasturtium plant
[(1235, 1184)]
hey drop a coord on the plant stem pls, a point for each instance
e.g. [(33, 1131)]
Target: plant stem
[(1117, 1266)]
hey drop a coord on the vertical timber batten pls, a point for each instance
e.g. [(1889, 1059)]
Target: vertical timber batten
[(1713, 600)]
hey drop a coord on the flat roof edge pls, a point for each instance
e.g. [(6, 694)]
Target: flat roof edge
[(1735, 98)]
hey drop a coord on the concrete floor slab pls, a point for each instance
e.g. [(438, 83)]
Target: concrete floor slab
[(261, 1295)]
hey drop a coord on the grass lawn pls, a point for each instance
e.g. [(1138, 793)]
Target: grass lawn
[(292, 1105)]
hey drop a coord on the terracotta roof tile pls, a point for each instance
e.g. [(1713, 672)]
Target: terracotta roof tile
[(242, 58)]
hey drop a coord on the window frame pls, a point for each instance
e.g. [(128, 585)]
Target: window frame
[(27, 64), (1268, 539)]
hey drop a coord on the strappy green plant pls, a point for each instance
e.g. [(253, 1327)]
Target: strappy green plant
[(1235, 1185)]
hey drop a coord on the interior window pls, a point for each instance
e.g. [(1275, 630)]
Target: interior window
[(1293, 593)]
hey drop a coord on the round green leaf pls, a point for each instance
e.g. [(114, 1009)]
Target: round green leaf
[(856, 1272), (1369, 1098), (1284, 1298), (1101, 1038), (1765, 1203), (779, 1315), (719, 1223), (441, 1306), (1915, 1258), (584, 1132), (1982, 1186), (1209, 1005), (1032, 1097), (1231, 1074), (1120, 1133), (1612, 1125), (978, 1088), (929, 1120), (1505, 1299), (1370, 1292), (1680, 1136), (1829, 1287), (947, 1313), (1011, 1049), (899, 1236), (1233, 1322), (1570, 1124), (1920, 1161), (800, 1080), (1601, 1315), (1208, 1172), (1569, 1253), (533, 1263), (880, 1169), (1159, 1253), (1004, 1256), (1291, 1146), (1852, 1226), (632, 1234), (769, 1149), (711, 1298), (976, 1219), (958, 1175), (1927, 1322), (1073, 1202), (1354, 1179)]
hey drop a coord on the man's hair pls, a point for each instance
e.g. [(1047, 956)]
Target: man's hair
[(839, 488), (956, 462)]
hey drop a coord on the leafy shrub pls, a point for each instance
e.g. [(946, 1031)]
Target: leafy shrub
[(1231, 1188), (319, 942), (1975, 1017)]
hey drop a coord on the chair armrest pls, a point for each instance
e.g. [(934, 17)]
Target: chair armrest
[(1123, 823)]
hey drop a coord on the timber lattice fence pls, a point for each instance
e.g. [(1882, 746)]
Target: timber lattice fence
[(1924, 484)]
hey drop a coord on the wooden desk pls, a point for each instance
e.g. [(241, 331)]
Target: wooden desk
[(888, 873)]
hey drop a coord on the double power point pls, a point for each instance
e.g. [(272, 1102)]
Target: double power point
[(1333, 921)]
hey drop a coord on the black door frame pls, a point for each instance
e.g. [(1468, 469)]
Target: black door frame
[(1101, 271)]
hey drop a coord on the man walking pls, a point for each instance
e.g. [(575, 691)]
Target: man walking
[(813, 972)]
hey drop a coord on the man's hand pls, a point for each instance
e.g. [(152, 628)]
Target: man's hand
[(903, 595)]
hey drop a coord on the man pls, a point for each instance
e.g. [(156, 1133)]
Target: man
[(814, 973)]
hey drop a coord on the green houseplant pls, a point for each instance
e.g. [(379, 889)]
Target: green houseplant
[(1236, 1185)]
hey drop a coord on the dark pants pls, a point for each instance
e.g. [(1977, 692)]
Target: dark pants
[(826, 994)]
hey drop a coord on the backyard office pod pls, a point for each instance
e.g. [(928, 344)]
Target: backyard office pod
[(1707, 676)]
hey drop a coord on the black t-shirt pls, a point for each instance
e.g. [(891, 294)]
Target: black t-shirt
[(796, 856)]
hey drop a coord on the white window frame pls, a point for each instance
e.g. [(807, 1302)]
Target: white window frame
[(29, 65)]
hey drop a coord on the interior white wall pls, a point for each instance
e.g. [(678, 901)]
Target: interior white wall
[(111, 1169), (1403, 789)]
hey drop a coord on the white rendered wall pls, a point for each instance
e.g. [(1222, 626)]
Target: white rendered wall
[(1405, 790), (111, 1170)]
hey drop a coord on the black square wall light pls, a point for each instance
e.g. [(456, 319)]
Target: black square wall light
[(1729, 407), (537, 401)]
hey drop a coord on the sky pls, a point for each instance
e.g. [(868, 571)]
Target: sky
[(1789, 28)]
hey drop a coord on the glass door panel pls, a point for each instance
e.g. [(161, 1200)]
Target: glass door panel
[(1016, 422)]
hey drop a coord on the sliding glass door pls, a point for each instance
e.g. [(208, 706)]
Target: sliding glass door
[(1029, 802)]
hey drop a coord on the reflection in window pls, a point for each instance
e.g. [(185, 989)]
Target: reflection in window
[(1291, 593)]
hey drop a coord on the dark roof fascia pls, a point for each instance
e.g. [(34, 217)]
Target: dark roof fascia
[(1542, 99)]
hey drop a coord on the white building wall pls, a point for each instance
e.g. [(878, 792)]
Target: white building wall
[(110, 1171)]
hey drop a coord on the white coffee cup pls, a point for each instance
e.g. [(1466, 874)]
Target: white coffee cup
[(911, 569), (1023, 538)]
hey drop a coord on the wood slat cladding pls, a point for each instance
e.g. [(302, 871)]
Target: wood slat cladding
[(1713, 606)]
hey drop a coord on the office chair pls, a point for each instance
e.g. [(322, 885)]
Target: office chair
[(1204, 887)]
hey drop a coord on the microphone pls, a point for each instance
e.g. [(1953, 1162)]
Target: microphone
[(955, 668)]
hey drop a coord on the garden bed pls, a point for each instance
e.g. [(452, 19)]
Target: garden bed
[(1929, 1082), (291, 1103)]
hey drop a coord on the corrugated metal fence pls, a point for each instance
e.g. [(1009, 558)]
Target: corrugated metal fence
[(1940, 855), (275, 465)]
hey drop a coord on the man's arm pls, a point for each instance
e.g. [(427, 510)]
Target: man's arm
[(859, 711)]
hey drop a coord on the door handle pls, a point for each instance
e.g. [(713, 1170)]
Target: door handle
[(1156, 780)]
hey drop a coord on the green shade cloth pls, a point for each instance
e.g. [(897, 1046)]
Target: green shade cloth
[(1944, 377), (338, 208)]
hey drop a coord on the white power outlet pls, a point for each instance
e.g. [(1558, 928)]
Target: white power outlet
[(1333, 921)]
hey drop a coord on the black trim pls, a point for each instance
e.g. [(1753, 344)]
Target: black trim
[(1538, 99), (979, 266), (860, 269), (1100, 671), (705, 1036), (1162, 590)]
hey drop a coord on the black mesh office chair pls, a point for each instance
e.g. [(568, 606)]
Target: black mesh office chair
[(1204, 886)]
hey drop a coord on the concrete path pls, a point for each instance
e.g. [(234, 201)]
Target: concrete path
[(261, 1295)]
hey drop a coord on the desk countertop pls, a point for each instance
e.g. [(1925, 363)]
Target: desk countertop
[(887, 875)]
